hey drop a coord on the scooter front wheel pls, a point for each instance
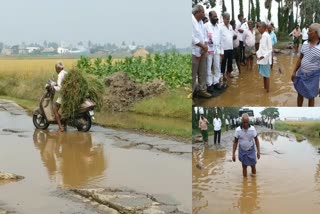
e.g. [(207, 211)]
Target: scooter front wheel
[(40, 122)]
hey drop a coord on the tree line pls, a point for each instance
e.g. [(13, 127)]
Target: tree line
[(223, 112), (290, 12)]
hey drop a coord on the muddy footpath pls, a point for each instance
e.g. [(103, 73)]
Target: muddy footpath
[(101, 171)]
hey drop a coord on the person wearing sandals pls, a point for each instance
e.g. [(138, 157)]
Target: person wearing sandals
[(246, 136), (306, 73), (264, 55)]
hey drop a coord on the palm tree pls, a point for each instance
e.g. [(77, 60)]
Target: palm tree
[(267, 5), (232, 9), (241, 7), (258, 9)]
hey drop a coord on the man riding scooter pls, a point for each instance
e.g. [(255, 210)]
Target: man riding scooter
[(61, 75)]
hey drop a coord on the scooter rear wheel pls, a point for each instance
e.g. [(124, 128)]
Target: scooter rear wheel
[(40, 122), (84, 123)]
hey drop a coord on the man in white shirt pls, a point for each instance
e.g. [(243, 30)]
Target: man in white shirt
[(217, 129), (199, 51), (236, 48), (227, 124), (215, 52), (241, 27), (264, 56), (61, 75), (246, 136), (304, 34), (227, 44), (249, 44)]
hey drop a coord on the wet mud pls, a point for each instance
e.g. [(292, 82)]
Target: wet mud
[(287, 180), (247, 89)]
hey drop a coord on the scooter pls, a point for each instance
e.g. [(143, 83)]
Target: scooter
[(43, 115)]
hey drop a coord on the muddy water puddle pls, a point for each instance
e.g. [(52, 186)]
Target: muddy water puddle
[(287, 181), (51, 161), (247, 88)]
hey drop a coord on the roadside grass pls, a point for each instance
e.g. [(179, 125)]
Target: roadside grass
[(173, 103), (300, 129)]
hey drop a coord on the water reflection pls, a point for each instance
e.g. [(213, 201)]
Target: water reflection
[(269, 136), (70, 158), (218, 186), (248, 201), (248, 88), (205, 165)]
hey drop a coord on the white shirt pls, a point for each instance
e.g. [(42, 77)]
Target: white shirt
[(61, 76), (226, 36), (305, 33), (244, 27), (198, 35), (245, 137), (217, 124), (238, 25), (227, 121), (213, 37), (249, 37), (265, 49)]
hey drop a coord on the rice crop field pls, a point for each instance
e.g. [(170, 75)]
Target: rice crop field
[(31, 67)]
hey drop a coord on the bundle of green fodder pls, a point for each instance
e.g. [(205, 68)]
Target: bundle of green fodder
[(76, 87), (95, 90)]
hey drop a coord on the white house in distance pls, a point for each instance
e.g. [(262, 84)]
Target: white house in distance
[(61, 50), (31, 49)]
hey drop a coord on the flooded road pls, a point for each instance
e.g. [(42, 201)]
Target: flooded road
[(287, 181), (51, 161), (247, 89)]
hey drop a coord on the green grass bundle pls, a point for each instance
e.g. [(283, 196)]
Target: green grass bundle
[(95, 90), (74, 90), (77, 86)]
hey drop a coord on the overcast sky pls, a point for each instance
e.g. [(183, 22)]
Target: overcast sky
[(103, 21), (285, 112), (292, 112)]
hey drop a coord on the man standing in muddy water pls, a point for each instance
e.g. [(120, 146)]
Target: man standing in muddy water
[(217, 129), (306, 73), (215, 52), (199, 53), (264, 56), (246, 135)]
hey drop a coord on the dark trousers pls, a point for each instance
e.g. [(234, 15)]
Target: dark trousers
[(217, 133), (236, 54), (242, 56), (228, 56)]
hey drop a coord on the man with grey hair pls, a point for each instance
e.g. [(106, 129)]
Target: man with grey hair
[(264, 56), (199, 51), (61, 75), (246, 136), (227, 38), (306, 74)]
